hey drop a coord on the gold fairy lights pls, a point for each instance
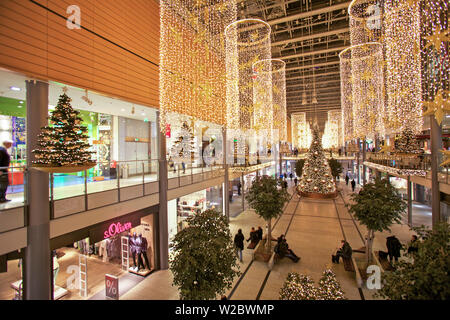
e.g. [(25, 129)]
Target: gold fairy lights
[(335, 119), (301, 131), (364, 62), (247, 41), (401, 25), (346, 95), (263, 113), (435, 62), (192, 58), (365, 21)]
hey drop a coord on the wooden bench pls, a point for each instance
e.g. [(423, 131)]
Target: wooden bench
[(252, 245), (348, 264)]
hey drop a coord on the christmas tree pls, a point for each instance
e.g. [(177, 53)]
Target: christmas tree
[(298, 287), (183, 147), (64, 142), (329, 287), (316, 177), (407, 142)]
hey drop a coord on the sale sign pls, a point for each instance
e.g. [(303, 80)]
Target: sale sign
[(112, 287)]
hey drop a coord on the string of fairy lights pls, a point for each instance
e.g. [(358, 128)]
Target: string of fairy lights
[(301, 131)]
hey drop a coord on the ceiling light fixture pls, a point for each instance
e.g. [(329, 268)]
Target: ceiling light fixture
[(15, 88)]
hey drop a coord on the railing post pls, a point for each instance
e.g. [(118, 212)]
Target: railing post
[(85, 191), (143, 178), (118, 181), (52, 207)]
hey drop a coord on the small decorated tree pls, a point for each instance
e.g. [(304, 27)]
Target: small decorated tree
[(377, 206), (298, 287), (183, 147), (64, 142), (407, 142), (316, 176), (335, 166), (204, 261), (267, 200), (329, 287)]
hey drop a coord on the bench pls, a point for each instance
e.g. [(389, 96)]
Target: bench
[(348, 264), (252, 245)]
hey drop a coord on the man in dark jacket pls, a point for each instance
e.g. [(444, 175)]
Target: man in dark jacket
[(260, 233), (282, 249), (393, 245), (253, 237), (353, 185), (345, 252), (239, 244), (346, 179), (4, 164)]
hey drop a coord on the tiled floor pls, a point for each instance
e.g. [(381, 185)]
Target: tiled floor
[(313, 230)]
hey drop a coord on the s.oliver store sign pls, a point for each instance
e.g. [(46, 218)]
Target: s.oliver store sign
[(112, 228)]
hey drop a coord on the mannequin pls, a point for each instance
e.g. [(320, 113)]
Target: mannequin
[(132, 245), (144, 246), (55, 267), (139, 252)]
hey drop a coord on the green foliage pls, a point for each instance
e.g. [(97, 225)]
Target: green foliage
[(378, 205), (266, 198), (204, 263), (335, 166), (299, 167), (426, 276), (301, 287)]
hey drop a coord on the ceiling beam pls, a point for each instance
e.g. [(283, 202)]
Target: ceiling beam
[(323, 64), (311, 13), (313, 52), (316, 75), (311, 36)]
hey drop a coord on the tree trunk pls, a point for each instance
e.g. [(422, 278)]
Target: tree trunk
[(269, 235), (369, 244)]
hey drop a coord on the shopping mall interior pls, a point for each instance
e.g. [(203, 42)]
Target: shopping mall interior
[(122, 122)]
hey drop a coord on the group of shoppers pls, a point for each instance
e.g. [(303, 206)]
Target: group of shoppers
[(254, 238)]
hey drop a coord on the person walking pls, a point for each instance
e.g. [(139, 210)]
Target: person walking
[(296, 181), (239, 186), (5, 160), (353, 185), (346, 179), (239, 244), (393, 245), (291, 175)]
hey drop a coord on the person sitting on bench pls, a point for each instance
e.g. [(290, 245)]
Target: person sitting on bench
[(282, 249), (345, 252)]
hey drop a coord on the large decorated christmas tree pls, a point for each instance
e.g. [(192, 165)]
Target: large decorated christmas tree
[(64, 142), (316, 179), (407, 142)]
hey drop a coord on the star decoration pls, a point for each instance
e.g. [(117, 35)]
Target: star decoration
[(385, 149), (437, 39), (438, 107), (447, 157)]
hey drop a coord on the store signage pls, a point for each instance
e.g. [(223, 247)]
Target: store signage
[(116, 228), (112, 287)]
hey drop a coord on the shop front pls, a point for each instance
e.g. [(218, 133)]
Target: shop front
[(123, 247), (180, 209)]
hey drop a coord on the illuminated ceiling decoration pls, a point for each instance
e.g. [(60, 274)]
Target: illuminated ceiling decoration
[(365, 21), (401, 25), (301, 131), (435, 62), (346, 95), (192, 59), (247, 42), (335, 118), (273, 70), (365, 62), (263, 110)]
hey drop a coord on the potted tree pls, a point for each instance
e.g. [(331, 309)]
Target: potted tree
[(299, 167), (268, 201), (204, 261), (336, 167), (378, 205)]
